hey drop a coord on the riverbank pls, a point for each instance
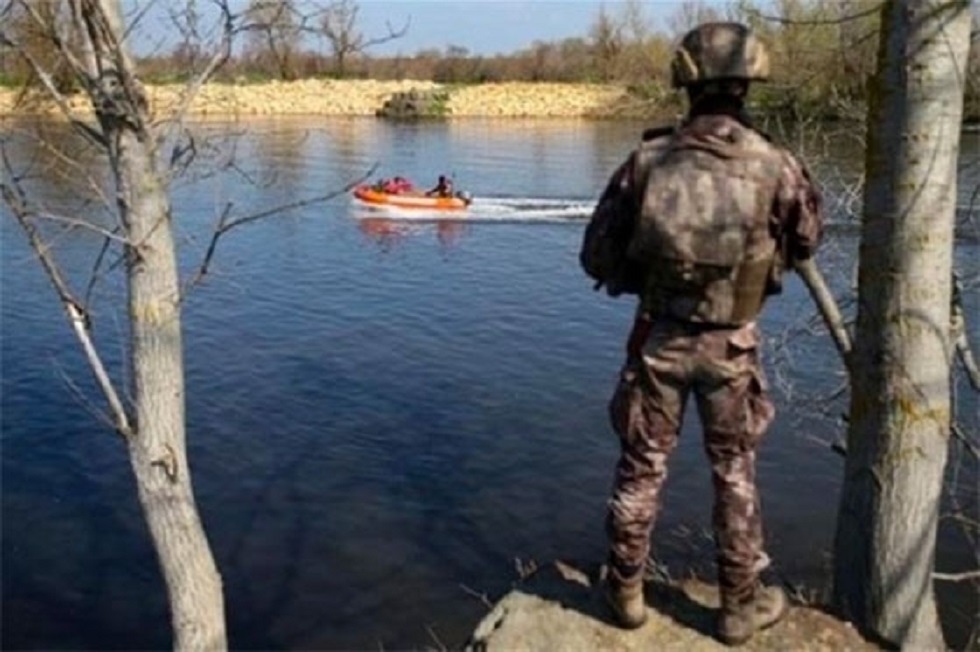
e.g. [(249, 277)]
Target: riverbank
[(561, 607), (365, 97)]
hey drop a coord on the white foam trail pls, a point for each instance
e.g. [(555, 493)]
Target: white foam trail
[(490, 209)]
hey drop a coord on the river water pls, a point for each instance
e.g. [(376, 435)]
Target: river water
[(386, 413)]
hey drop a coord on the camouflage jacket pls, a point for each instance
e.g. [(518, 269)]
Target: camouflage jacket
[(792, 215)]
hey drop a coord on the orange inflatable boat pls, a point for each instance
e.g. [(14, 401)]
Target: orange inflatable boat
[(374, 196)]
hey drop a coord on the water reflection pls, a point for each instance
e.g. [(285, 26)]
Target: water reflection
[(347, 140), (387, 232), (280, 155)]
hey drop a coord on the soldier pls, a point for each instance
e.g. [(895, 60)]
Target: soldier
[(715, 212)]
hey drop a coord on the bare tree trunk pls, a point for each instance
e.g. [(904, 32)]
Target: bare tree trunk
[(341, 58), (156, 441), (900, 376), (158, 452)]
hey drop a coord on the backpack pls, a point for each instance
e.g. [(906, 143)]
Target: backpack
[(704, 225), (609, 232)]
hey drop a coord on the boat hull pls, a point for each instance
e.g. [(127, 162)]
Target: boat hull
[(374, 197)]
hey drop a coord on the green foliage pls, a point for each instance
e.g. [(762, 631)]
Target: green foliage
[(822, 53), (9, 81), (439, 106), (651, 91), (253, 78), (164, 78), (415, 105)]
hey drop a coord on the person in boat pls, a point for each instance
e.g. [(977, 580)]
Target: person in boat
[(695, 329), (443, 188), (394, 186)]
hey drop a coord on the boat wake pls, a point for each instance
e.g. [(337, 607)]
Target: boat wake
[(490, 209)]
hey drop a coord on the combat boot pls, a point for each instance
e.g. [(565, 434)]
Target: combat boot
[(627, 603), (739, 621)]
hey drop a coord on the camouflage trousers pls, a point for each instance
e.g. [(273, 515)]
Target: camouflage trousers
[(722, 368)]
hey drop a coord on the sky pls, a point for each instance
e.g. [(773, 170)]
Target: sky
[(483, 27)]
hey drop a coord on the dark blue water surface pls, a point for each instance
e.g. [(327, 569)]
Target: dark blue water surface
[(385, 412)]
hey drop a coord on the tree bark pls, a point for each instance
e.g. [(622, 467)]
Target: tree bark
[(158, 452), (900, 376)]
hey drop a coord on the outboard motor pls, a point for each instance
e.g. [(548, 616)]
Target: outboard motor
[(465, 196)]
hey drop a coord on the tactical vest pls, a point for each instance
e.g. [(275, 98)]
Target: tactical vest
[(704, 229)]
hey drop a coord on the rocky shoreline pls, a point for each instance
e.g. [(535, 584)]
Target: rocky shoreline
[(560, 606), (367, 97)]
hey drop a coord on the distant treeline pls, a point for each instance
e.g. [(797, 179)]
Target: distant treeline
[(822, 53)]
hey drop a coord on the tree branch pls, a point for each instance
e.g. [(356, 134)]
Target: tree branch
[(45, 78), (191, 90), (957, 577), (961, 339), (874, 9), (225, 224), (959, 434), (390, 36), (82, 224), (77, 316), (133, 21), (78, 169)]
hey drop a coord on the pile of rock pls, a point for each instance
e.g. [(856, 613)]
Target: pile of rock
[(304, 97), (406, 99), (538, 100)]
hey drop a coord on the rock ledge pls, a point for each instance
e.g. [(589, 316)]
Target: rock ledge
[(561, 607)]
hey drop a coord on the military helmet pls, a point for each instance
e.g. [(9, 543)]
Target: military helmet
[(719, 51)]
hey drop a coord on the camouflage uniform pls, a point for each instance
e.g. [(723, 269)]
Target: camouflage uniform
[(683, 341)]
